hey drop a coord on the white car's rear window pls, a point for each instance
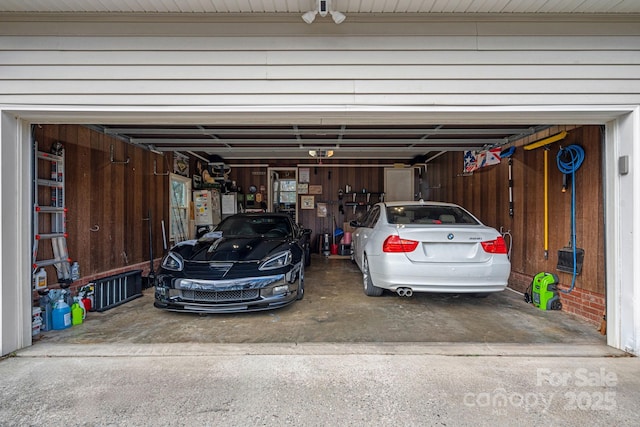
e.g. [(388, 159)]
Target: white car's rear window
[(428, 214)]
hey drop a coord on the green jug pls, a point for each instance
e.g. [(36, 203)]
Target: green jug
[(77, 312)]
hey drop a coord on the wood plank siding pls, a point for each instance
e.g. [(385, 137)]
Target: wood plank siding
[(331, 176), (486, 194), (108, 203)]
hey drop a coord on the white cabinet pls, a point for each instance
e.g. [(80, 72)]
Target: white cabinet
[(398, 184)]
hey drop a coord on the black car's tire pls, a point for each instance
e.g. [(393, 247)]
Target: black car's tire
[(300, 283), (307, 256), (369, 288)]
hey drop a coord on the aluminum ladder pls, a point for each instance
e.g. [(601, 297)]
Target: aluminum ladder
[(56, 211)]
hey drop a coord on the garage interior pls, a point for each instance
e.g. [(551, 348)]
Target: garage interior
[(118, 179), (140, 93)]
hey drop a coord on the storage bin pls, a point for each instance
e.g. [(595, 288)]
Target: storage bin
[(344, 250)]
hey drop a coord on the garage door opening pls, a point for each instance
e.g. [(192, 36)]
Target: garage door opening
[(112, 198)]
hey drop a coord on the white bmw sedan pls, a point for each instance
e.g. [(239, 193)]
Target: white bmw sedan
[(409, 247)]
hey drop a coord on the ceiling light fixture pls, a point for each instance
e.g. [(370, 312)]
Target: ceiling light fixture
[(323, 7), (321, 154), (338, 17)]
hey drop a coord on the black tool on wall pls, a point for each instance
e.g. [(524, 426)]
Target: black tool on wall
[(508, 153), (149, 281)]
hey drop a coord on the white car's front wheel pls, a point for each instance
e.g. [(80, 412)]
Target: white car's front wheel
[(369, 288)]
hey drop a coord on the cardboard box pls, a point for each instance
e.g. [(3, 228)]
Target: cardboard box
[(347, 228)]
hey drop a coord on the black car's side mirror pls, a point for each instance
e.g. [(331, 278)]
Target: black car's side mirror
[(303, 232)]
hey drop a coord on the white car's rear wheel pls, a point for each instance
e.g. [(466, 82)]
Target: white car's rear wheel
[(369, 289)]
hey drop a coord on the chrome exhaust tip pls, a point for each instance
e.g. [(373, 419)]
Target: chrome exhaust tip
[(404, 292)]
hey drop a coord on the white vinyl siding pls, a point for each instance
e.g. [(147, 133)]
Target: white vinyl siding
[(537, 61)]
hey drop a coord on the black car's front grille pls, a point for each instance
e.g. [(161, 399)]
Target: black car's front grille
[(218, 270), (220, 296)]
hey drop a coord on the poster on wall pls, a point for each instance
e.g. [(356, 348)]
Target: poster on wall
[(303, 188), (322, 210), (210, 175), (180, 164), (474, 160), (303, 174)]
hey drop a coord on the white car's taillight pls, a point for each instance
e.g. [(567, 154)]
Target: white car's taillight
[(394, 243), (497, 246)]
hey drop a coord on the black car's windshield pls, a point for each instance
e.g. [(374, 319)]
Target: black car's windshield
[(428, 214), (255, 226)]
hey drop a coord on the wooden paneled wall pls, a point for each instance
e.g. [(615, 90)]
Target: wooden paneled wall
[(485, 194), (108, 203), (332, 177)]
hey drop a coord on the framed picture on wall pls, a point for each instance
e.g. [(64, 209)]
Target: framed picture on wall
[(303, 175), (315, 189), (180, 164), (303, 188), (307, 202)]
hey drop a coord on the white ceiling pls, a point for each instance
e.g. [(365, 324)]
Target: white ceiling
[(346, 6)]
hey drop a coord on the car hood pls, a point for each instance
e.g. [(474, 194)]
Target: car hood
[(235, 249)]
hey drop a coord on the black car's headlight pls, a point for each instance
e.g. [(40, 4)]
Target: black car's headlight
[(173, 262), (277, 261)]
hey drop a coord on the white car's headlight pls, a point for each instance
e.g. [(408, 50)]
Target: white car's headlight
[(173, 262), (278, 261)]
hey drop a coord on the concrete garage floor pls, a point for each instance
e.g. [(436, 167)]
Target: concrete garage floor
[(335, 310)]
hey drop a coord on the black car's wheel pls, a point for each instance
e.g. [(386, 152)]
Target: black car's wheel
[(300, 283), (307, 256), (369, 289)]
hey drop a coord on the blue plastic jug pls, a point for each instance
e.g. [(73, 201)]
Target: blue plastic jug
[(61, 317)]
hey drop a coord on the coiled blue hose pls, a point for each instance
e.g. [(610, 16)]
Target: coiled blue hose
[(575, 154), (569, 160)]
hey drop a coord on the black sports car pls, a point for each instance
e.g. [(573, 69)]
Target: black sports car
[(249, 262)]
